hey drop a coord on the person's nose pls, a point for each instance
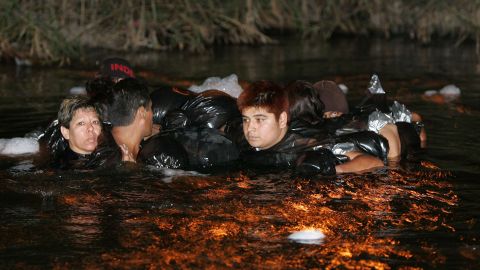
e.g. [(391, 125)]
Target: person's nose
[(90, 127), (251, 126)]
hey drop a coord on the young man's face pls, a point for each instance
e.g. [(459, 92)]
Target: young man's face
[(82, 135), (148, 120), (261, 128)]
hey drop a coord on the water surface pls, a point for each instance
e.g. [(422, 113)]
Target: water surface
[(423, 214)]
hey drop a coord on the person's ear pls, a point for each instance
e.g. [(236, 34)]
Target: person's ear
[(65, 132), (141, 112), (283, 119)]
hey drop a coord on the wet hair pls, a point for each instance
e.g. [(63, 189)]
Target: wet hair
[(70, 105), (264, 94), (99, 89), (305, 104), (409, 138), (127, 96)]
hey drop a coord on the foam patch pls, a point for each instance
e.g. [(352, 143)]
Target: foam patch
[(170, 174), (311, 237), (18, 146), (78, 90)]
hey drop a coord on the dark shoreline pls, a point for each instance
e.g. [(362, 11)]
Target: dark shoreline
[(60, 33)]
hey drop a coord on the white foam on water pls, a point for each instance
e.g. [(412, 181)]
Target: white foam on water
[(24, 167), (18, 146), (170, 174), (228, 85), (430, 93), (310, 237), (450, 91), (78, 90)]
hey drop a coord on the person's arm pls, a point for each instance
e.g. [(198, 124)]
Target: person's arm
[(358, 162), (390, 132)]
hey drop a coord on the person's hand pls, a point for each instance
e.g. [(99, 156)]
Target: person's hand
[(332, 114), (126, 154)]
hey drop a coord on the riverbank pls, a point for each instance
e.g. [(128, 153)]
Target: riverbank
[(59, 32)]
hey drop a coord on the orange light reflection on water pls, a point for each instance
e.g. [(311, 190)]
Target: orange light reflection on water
[(236, 224)]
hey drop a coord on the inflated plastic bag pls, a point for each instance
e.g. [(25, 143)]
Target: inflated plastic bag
[(400, 113), (228, 85), (375, 87), (165, 100), (163, 151), (211, 109), (377, 120), (52, 141)]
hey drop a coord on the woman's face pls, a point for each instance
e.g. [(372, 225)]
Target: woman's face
[(85, 127)]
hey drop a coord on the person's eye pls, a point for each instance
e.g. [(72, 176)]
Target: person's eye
[(81, 123), (245, 120), (96, 122)]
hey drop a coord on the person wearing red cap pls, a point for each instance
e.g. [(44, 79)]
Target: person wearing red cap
[(116, 69)]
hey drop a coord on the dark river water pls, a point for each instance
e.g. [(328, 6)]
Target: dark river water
[(420, 215)]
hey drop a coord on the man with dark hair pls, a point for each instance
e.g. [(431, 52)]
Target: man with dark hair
[(130, 114), (265, 109), (116, 69)]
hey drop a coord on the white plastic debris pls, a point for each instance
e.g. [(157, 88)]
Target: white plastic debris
[(311, 237), (450, 92), (228, 85), (18, 146), (375, 87), (377, 120), (400, 113)]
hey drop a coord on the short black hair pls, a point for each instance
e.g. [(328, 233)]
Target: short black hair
[(305, 104), (127, 96)]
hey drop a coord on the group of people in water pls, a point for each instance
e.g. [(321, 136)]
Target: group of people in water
[(305, 126)]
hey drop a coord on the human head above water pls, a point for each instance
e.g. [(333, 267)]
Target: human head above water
[(264, 94), (116, 69), (305, 103), (264, 108), (126, 98), (79, 124), (332, 97)]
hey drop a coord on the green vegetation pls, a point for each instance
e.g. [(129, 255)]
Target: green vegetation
[(56, 31)]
